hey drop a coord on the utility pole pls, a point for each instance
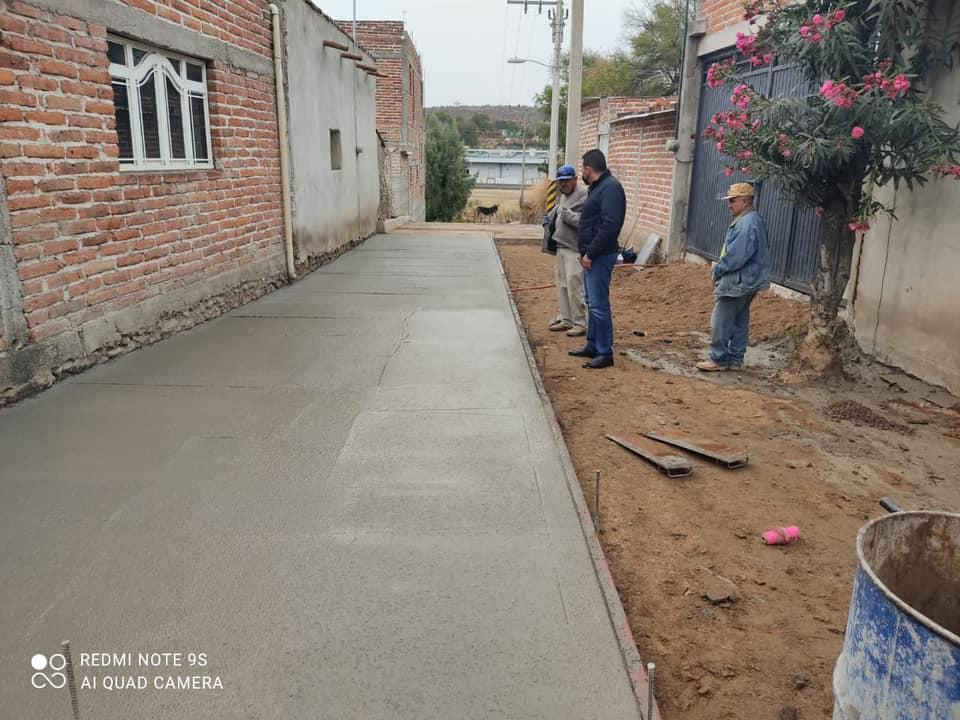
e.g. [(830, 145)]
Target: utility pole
[(523, 164), (575, 88), (558, 23)]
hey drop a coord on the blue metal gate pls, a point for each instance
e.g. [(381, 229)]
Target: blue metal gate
[(794, 232)]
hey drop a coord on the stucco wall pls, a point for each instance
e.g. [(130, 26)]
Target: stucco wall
[(329, 92), (907, 295)]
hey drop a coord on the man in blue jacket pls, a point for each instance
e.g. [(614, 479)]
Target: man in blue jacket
[(599, 241), (742, 271)]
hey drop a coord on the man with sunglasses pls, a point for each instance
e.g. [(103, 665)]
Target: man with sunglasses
[(742, 271)]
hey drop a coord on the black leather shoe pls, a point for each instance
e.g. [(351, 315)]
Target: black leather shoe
[(599, 361), (582, 352)]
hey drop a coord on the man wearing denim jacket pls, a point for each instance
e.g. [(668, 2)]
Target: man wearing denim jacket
[(742, 271)]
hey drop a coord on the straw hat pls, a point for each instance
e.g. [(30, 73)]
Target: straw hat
[(739, 190)]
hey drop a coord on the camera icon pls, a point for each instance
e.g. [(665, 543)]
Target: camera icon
[(54, 679)]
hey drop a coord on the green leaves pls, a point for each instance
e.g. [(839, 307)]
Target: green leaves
[(448, 182), (867, 117)]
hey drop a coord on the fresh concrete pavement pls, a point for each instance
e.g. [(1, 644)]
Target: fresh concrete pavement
[(347, 495)]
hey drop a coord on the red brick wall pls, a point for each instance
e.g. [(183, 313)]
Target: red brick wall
[(589, 126), (595, 113), (720, 14), (90, 239), (639, 158)]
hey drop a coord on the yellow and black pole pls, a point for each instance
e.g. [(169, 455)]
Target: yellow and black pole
[(551, 195)]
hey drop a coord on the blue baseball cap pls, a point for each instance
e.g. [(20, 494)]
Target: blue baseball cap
[(566, 172)]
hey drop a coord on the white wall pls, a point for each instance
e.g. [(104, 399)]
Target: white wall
[(907, 299), (324, 93)]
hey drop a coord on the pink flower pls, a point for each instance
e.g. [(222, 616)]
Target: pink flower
[(839, 15), (818, 19), (843, 102), (804, 30), (747, 154), (768, 59), (720, 146), (746, 169), (857, 132), (745, 42), (816, 37), (756, 124), (787, 153), (859, 226), (901, 84), (728, 172)]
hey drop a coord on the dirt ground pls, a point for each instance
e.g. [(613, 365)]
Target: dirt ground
[(820, 458)]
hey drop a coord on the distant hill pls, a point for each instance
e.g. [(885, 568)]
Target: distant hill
[(502, 129), (505, 113)]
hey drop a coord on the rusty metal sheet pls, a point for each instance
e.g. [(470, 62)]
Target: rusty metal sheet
[(672, 465), (732, 457)]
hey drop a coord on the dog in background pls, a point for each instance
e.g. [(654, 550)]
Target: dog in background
[(485, 212)]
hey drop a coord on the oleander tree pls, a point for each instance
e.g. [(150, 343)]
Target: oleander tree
[(868, 121)]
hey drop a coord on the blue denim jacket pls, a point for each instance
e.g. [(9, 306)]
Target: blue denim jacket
[(744, 268)]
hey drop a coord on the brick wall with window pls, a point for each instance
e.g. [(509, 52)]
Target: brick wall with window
[(134, 174)]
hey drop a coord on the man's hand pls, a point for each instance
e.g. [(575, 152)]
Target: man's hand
[(585, 262)]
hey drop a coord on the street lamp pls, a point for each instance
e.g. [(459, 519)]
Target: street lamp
[(554, 110)]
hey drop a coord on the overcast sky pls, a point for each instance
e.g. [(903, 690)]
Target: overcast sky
[(465, 43)]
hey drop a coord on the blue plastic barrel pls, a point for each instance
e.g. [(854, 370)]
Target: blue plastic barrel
[(901, 654)]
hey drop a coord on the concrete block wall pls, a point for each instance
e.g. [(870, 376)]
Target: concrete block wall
[(640, 159)]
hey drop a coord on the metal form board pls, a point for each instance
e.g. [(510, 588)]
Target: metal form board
[(672, 465), (724, 454)]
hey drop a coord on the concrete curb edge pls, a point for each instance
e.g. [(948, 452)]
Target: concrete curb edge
[(618, 619)]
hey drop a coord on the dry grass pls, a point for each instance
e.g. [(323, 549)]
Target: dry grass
[(508, 200)]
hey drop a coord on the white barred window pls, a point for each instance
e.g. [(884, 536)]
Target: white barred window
[(160, 102)]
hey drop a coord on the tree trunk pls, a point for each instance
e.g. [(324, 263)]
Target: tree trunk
[(819, 353)]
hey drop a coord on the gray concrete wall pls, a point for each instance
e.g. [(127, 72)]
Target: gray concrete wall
[(907, 296), (331, 208), (13, 323)]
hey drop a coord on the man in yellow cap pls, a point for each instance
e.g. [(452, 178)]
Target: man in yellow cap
[(742, 271)]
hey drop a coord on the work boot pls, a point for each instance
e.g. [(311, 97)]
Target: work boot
[(711, 366)]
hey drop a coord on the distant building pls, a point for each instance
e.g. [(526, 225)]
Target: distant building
[(400, 115), (506, 168)]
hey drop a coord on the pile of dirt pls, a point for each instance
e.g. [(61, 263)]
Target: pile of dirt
[(861, 415), (666, 538)]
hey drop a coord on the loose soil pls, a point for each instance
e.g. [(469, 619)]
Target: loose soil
[(819, 458)]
